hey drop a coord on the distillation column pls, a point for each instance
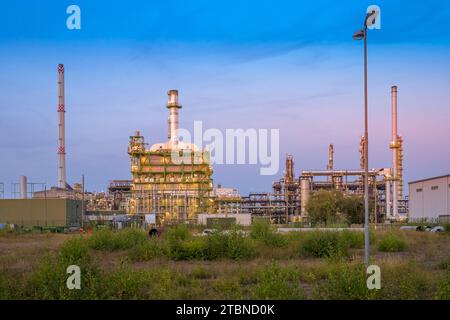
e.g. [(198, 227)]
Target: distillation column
[(330, 160), (397, 157), (61, 130)]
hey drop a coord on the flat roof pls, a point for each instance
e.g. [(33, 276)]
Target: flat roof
[(432, 178)]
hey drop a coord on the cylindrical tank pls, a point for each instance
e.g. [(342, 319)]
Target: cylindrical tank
[(305, 190), (23, 187)]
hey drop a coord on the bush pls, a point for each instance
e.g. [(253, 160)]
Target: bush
[(108, 240), (392, 242), (275, 282), (49, 279), (238, 246), (447, 227), (443, 292), (178, 232), (232, 245), (263, 231), (324, 244), (405, 281), (74, 251), (355, 239), (146, 250), (344, 282)]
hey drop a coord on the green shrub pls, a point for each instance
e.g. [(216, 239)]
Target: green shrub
[(392, 242), (147, 250), (322, 244), (105, 239), (275, 282), (447, 227), (405, 281), (232, 245), (443, 291), (354, 239), (227, 289), (74, 251), (344, 282), (179, 232), (263, 231), (238, 246), (49, 279)]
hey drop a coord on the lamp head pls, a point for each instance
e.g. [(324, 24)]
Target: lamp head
[(358, 35)]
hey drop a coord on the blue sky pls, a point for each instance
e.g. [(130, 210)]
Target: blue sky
[(290, 65)]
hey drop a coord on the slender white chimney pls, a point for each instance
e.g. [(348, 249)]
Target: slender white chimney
[(173, 106), (394, 146), (61, 130)]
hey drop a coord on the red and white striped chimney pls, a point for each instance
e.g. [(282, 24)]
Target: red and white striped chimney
[(61, 130)]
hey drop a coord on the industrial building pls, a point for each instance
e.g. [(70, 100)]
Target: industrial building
[(429, 199), (41, 212), (173, 190)]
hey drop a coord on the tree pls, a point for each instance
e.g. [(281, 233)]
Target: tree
[(332, 206), (352, 207), (323, 207)]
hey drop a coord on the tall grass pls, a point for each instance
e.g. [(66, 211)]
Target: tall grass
[(344, 282), (278, 283), (392, 242)]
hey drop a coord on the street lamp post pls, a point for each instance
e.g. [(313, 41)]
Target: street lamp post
[(359, 35)]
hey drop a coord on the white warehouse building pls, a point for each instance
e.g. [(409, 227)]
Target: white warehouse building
[(430, 199)]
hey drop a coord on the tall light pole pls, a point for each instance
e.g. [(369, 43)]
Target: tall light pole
[(359, 35)]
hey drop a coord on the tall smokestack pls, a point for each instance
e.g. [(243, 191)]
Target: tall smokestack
[(61, 130), (394, 146), (173, 106)]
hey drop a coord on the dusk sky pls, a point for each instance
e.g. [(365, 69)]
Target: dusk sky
[(288, 65)]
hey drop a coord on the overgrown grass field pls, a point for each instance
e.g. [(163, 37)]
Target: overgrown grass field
[(259, 263)]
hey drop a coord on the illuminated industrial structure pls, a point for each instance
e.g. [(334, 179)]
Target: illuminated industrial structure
[(171, 179), (290, 196)]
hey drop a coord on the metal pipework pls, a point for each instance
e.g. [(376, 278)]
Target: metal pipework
[(61, 130), (23, 187), (173, 106), (311, 173)]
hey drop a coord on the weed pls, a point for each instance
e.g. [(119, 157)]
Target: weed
[(392, 242)]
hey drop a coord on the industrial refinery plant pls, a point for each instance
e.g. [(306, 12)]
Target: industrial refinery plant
[(164, 191)]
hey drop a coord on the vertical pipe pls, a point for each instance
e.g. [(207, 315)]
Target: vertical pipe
[(61, 130), (388, 197), (23, 187), (394, 147), (82, 202)]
